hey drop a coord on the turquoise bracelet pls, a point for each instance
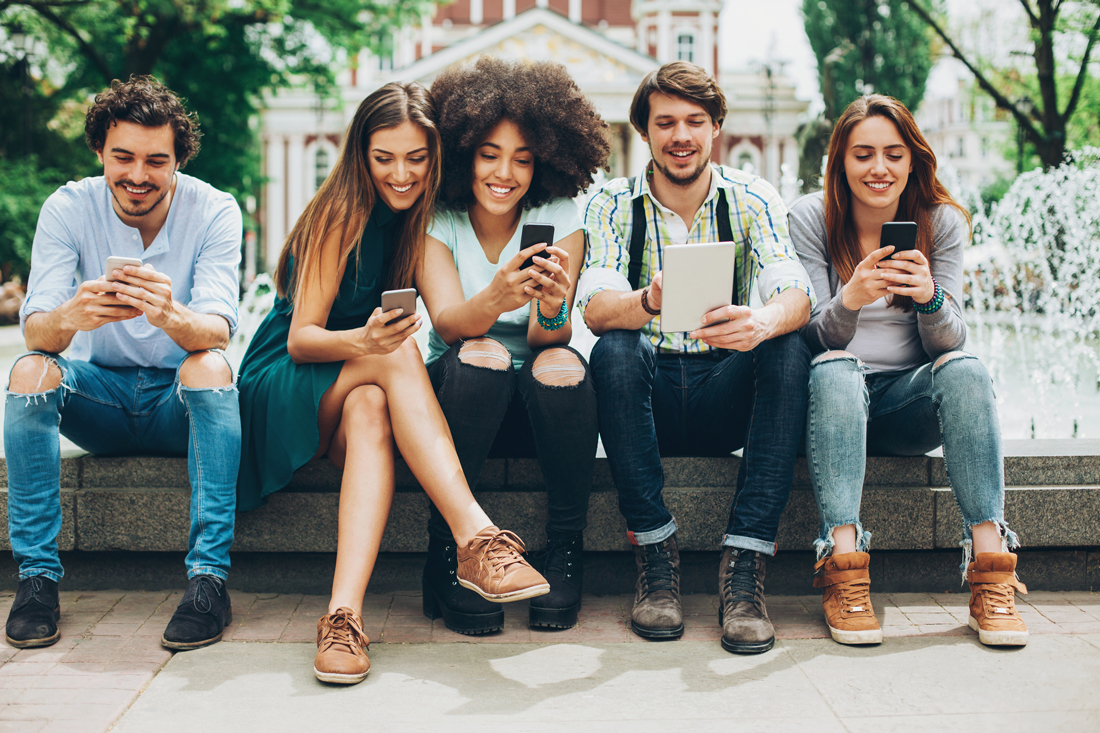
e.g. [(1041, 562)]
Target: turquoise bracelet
[(553, 324), (933, 305)]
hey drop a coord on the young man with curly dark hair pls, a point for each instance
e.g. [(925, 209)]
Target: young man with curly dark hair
[(520, 141), (733, 383), (143, 373)]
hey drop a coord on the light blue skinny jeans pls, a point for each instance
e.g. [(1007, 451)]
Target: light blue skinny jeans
[(120, 411), (852, 414)]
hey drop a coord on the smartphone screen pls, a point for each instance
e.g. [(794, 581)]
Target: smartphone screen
[(403, 299), (901, 234), (533, 234)]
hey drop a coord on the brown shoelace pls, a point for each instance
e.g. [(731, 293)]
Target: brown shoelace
[(503, 549), (855, 594), (999, 595), (342, 629)]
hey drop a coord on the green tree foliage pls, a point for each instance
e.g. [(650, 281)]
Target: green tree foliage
[(865, 46), (1045, 102), (222, 56)]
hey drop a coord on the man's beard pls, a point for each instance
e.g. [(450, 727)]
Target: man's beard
[(682, 179), (129, 211)]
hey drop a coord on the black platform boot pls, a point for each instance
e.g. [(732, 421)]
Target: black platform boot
[(562, 563), (462, 610)]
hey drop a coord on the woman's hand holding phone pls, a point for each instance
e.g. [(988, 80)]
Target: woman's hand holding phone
[(551, 281), (909, 274), (509, 285), (868, 282), (379, 339)]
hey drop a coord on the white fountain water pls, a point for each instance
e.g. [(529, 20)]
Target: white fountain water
[(1032, 301)]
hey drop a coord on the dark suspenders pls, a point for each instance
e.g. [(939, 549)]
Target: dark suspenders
[(637, 236)]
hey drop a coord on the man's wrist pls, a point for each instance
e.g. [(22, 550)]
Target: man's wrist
[(647, 306)]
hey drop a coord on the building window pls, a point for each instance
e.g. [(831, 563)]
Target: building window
[(960, 149), (685, 47), (320, 168), (984, 148)]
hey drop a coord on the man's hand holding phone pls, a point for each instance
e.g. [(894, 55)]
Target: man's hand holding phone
[(95, 304), (734, 327), (148, 291)]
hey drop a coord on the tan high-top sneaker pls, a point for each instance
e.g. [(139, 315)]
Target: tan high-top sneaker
[(847, 598), (492, 566), (341, 648), (993, 586)]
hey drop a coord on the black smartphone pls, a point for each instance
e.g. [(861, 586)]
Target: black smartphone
[(901, 234), (403, 299), (533, 234)]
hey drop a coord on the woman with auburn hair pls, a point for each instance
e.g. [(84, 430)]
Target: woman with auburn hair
[(329, 373), (891, 377), (521, 141)]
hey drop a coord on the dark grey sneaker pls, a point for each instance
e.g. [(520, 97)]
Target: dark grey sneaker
[(657, 612), (742, 615), (201, 616), (32, 621)]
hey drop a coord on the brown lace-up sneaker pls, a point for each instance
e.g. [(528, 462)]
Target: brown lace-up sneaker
[(493, 567), (847, 598), (993, 586), (341, 648), (657, 612)]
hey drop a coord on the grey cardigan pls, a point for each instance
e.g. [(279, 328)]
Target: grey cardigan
[(832, 325)]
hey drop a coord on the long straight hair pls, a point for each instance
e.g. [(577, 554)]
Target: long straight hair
[(348, 195), (921, 195)]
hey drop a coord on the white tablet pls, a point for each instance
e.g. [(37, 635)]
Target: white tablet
[(697, 279)]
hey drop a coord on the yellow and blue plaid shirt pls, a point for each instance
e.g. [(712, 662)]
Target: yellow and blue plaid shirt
[(758, 220)]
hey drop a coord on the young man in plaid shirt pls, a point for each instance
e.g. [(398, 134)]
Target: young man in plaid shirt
[(740, 383)]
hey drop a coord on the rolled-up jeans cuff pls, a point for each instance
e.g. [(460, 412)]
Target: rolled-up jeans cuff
[(44, 573), (653, 536), (750, 543), (207, 570)]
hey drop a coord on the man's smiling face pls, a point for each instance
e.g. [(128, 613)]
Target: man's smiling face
[(138, 163), (680, 134)]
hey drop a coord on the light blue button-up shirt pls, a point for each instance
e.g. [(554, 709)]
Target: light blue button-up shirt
[(199, 247)]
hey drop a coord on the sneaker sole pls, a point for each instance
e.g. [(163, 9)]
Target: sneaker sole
[(340, 679), (998, 638), (868, 636), (33, 643), (756, 647), (659, 634), (517, 595)]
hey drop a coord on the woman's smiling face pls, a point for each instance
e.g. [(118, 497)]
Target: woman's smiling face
[(877, 164), (503, 169), (399, 162)]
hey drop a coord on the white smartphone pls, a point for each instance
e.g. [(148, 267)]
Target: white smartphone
[(403, 299), (117, 263)]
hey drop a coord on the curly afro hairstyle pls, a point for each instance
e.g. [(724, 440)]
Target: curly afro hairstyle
[(144, 101), (567, 136)]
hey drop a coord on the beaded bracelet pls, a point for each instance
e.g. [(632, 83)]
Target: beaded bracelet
[(932, 305), (553, 324)]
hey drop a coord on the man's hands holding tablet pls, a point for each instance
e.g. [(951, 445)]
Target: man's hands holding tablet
[(746, 328)]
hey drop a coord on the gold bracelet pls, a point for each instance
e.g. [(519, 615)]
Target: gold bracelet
[(645, 303)]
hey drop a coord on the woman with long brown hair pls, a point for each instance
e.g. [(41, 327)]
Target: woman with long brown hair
[(329, 373), (890, 377)]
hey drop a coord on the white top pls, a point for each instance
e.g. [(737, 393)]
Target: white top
[(454, 229), (886, 339)]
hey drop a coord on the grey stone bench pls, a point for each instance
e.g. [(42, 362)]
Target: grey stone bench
[(113, 506)]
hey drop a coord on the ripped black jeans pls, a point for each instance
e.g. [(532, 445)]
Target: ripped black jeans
[(495, 412)]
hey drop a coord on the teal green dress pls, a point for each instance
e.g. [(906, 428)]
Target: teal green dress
[(280, 399)]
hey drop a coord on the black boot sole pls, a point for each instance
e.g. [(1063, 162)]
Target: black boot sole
[(757, 647), (553, 618), (470, 624), (40, 641), (185, 646), (658, 634)]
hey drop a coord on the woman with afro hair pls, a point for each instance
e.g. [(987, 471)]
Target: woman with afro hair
[(520, 141)]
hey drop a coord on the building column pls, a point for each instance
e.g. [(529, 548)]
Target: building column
[(542, 3), (706, 42), (664, 37), (425, 36), (295, 178), (637, 153), (477, 12), (771, 161), (575, 11), (509, 9), (274, 199)]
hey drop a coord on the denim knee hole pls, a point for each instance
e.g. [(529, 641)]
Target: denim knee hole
[(558, 368), (483, 353)]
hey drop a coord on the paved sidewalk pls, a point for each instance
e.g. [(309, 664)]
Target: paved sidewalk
[(109, 655)]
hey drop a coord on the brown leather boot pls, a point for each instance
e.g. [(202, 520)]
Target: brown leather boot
[(341, 648), (492, 566), (657, 613), (746, 628), (993, 586), (847, 598)]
